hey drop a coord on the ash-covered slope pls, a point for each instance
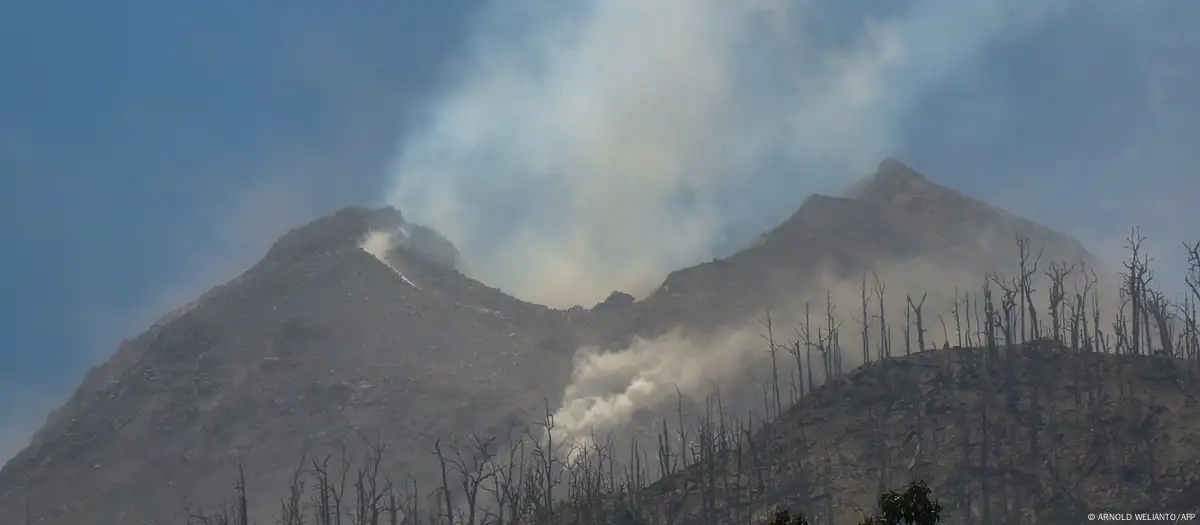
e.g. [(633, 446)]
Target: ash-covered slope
[(321, 340), (1031, 434), (318, 341), (918, 233)]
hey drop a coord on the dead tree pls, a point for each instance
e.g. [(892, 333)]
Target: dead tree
[(885, 341), (772, 347), (1028, 269), (548, 467), (1158, 308), (1008, 303), (474, 469), (290, 511), (447, 498), (826, 340), (369, 492), (1192, 299), (506, 485), (322, 499), (916, 309), (1135, 274), (1079, 318), (1057, 273), (666, 460), (794, 349), (907, 330), (972, 335), (338, 492), (683, 434), (866, 323), (240, 488), (832, 328), (945, 333), (954, 311), (804, 333)]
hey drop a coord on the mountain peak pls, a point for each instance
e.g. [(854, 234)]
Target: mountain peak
[(891, 179), (348, 227), (332, 232), (890, 168)]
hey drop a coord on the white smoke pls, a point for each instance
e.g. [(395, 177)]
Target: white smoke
[(608, 388), (380, 243), (588, 146)]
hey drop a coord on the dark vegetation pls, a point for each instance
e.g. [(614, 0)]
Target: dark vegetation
[(721, 469)]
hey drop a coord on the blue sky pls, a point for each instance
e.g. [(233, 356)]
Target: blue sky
[(149, 151)]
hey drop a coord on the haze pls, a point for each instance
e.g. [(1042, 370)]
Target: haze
[(148, 152)]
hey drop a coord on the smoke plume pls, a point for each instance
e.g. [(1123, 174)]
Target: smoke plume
[(586, 146)]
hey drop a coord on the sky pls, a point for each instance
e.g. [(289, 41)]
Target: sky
[(150, 150)]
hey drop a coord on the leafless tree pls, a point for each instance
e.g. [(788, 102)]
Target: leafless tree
[(1057, 273), (290, 508), (1005, 319), (505, 488), (772, 348), (794, 349), (916, 309), (865, 321), (907, 330), (1135, 279), (1028, 269), (444, 490), (1192, 301), (474, 468), (954, 311), (884, 341)]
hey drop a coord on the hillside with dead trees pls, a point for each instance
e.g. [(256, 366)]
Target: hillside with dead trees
[(1022, 416), (897, 334)]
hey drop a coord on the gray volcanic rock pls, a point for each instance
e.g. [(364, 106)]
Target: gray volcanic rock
[(616, 302), (894, 217), (430, 244), (316, 343), (321, 342)]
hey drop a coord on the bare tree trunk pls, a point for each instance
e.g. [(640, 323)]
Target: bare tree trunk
[(866, 323), (885, 342), (957, 319), (445, 488), (916, 308), (242, 518), (771, 348), (1028, 270), (1135, 274), (1058, 274), (907, 330)]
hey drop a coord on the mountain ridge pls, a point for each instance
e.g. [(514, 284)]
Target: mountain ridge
[(320, 337)]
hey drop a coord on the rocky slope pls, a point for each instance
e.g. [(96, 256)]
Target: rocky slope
[(1032, 434), (895, 221), (316, 342), (321, 341)]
